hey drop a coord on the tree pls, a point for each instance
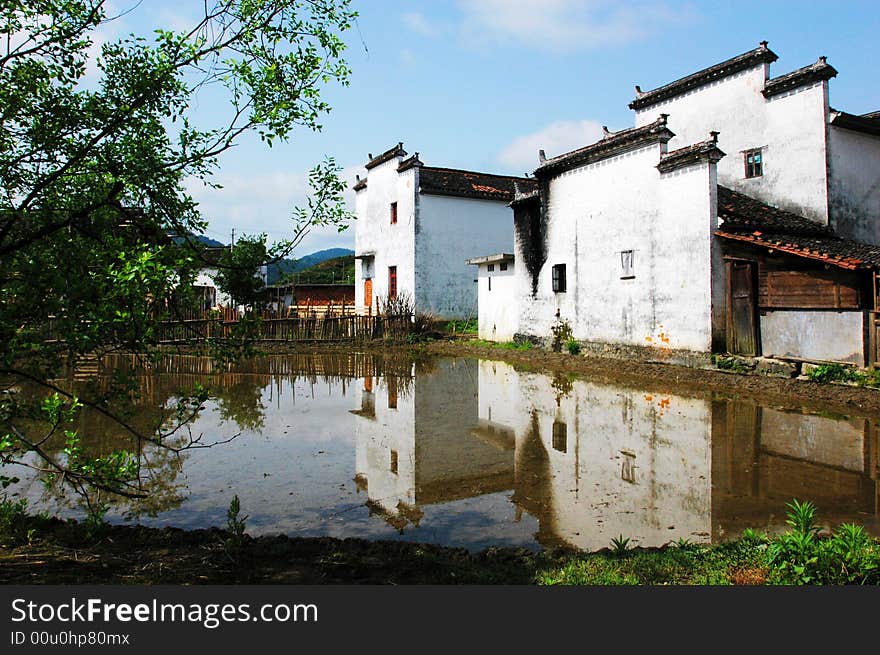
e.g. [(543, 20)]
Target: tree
[(94, 153), (238, 274)]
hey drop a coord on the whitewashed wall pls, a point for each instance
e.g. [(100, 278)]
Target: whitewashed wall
[(393, 244), (790, 129), (450, 230), (498, 315), (584, 494), (854, 203), (818, 335), (624, 203), (390, 429)]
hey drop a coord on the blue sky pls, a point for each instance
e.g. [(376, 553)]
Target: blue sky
[(483, 84)]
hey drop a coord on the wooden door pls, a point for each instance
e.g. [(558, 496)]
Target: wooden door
[(368, 292), (742, 332)]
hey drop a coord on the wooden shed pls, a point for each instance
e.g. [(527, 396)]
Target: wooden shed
[(793, 289)]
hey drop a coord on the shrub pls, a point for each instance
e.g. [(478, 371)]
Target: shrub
[(561, 335), (833, 373), (572, 346)]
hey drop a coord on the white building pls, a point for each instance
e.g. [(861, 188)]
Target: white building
[(717, 223), (786, 146), (417, 224), (497, 315)]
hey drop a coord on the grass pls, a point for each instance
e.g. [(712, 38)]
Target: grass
[(463, 326), (504, 345), (801, 556)]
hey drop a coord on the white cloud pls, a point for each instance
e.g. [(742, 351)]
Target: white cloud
[(253, 204), (555, 139), (419, 24), (564, 25)]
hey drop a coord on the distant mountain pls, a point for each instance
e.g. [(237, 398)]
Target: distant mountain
[(285, 266), (200, 238), (337, 270)]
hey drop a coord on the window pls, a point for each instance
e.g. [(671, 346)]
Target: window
[(754, 163), (393, 213), (394, 462), (627, 264), (559, 278), (560, 436), (503, 266), (490, 283), (392, 282), (628, 466), (490, 267)]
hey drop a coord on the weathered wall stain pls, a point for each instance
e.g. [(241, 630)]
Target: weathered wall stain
[(530, 226)]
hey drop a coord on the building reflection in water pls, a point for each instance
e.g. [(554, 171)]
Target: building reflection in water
[(592, 461)]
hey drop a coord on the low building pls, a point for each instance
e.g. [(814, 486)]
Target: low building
[(497, 316)]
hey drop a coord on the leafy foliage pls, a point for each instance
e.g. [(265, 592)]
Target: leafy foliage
[(98, 235), (800, 556)]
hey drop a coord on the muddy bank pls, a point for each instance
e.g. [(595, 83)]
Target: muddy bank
[(63, 552), (699, 382), (658, 377)]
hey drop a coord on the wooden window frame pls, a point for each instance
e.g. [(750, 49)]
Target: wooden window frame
[(393, 213), (558, 278), (754, 167), (392, 282)]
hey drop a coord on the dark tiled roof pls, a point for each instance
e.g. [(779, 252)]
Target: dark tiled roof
[(608, 147), (470, 184), (391, 153), (742, 213), (871, 114), (761, 54), (819, 71), (748, 220), (867, 123), (703, 151), (360, 184), (410, 162)]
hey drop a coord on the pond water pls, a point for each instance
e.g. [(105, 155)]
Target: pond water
[(474, 453)]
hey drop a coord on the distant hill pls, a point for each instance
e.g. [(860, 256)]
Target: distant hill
[(200, 238), (288, 266), (330, 271)]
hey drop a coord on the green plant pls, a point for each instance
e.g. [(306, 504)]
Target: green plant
[(235, 528), (462, 326), (572, 346), (562, 333), (12, 519), (834, 373), (730, 363), (619, 545)]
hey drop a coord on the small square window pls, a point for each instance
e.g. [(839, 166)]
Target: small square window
[(490, 267), (559, 278), (560, 436), (754, 163), (503, 266), (393, 213), (627, 264)]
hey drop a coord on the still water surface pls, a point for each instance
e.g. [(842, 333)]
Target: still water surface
[(474, 453)]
